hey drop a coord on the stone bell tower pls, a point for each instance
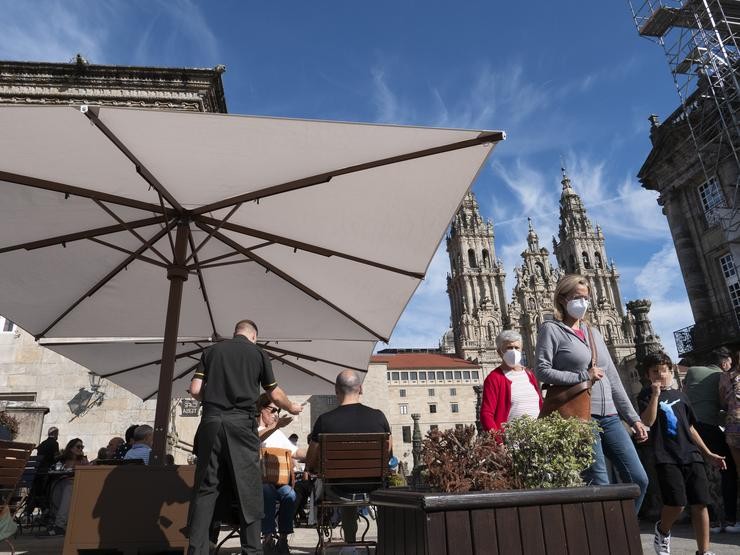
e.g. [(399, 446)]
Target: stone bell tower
[(533, 292), (580, 249), (475, 286)]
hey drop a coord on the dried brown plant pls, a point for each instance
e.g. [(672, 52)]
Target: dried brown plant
[(458, 460)]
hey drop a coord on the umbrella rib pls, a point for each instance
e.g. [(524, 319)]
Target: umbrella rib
[(202, 284), (169, 232), (107, 278), (132, 231), (294, 282), (158, 361), (138, 257), (311, 358), (209, 263), (180, 375), (482, 138), (93, 115), (306, 246), (78, 191), (219, 223), (71, 237), (302, 369)]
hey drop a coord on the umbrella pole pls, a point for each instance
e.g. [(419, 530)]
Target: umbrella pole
[(177, 274)]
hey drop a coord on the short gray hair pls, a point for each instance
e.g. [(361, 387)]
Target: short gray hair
[(142, 432), (507, 336)]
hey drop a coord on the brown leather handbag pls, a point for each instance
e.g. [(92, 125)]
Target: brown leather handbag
[(571, 401)]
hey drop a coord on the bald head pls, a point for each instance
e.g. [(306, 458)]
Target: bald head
[(348, 387)]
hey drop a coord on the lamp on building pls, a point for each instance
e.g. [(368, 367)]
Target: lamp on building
[(85, 399)]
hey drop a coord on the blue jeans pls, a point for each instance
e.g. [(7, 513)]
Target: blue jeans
[(616, 443), (286, 496)]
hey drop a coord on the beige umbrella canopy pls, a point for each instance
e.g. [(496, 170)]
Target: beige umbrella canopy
[(132, 239)]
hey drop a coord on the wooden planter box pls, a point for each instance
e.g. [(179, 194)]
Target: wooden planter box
[(599, 520)]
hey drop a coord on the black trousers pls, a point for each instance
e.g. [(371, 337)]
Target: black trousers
[(228, 453), (714, 439)]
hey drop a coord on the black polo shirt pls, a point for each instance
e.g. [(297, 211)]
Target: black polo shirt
[(232, 372)]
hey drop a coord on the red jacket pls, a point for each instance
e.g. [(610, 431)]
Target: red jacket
[(496, 403)]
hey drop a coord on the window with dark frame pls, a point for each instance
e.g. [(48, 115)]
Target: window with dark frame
[(406, 433), (402, 393), (454, 407), (453, 392), (432, 408)]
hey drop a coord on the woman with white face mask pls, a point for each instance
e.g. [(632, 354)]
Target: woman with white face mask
[(564, 357), (510, 390)]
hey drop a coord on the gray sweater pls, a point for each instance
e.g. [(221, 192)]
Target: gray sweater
[(564, 359)]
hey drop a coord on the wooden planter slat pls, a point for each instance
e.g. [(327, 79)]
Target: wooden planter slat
[(598, 520)]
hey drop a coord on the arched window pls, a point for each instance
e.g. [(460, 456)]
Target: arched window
[(540, 269), (610, 331), (597, 261), (572, 263), (471, 259), (464, 219), (486, 259), (586, 261), (531, 304)]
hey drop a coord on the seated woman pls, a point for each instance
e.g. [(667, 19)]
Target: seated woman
[(61, 494), (511, 390), (270, 434)]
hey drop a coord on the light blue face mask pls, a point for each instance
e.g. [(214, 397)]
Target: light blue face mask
[(577, 308)]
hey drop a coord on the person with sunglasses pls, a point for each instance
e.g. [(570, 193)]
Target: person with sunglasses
[(61, 491), (284, 496)]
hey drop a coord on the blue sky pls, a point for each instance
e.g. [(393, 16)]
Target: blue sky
[(568, 79)]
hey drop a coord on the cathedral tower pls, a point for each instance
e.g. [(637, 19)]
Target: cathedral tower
[(475, 286), (580, 249), (533, 292)]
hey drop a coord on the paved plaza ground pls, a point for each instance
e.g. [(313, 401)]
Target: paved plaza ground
[(303, 542)]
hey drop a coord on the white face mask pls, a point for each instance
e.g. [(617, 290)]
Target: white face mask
[(577, 308), (512, 357)]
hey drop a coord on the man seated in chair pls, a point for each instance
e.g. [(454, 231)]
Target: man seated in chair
[(349, 417), (270, 434)]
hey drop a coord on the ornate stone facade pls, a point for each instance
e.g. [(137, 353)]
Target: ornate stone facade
[(475, 286), (191, 89), (533, 293)]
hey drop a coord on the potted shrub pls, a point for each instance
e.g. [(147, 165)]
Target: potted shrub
[(8, 426), (517, 493)]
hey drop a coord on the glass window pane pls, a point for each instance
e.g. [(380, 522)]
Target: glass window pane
[(404, 376), (448, 374), (414, 376)]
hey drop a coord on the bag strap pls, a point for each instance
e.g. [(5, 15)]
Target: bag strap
[(592, 346)]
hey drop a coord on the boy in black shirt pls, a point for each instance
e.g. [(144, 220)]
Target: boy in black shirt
[(677, 451)]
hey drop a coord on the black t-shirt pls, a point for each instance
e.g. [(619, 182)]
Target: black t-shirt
[(232, 372), (355, 418), (46, 452), (669, 435)]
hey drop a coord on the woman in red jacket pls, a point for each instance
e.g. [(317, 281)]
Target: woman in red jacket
[(511, 390)]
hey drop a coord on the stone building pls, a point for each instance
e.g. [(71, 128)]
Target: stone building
[(705, 228), (436, 386), (475, 286), (533, 293)]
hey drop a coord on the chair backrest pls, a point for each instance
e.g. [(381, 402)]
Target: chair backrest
[(13, 459), (354, 456)]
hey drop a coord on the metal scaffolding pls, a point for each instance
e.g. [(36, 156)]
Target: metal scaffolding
[(700, 39)]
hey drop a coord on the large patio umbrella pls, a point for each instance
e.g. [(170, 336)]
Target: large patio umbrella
[(132, 239)]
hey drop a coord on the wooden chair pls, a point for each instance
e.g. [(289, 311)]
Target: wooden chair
[(13, 459), (356, 462)]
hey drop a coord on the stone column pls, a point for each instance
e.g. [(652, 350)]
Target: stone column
[(416, 440)]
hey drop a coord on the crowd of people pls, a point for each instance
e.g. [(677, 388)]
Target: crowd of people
[(680, 424)]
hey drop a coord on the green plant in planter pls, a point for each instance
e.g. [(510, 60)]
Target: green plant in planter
[(550, 452), (458, 460)]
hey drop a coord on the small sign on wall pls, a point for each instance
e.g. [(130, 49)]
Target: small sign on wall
[(189, 407)]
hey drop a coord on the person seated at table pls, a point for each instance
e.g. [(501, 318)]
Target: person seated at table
[(61, 492), (113, 445), (142, 447), (123, 448), (270, 422)]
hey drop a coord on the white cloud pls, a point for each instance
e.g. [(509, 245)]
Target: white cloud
[(660, 281)]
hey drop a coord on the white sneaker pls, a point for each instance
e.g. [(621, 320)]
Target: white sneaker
[(661, 543), (715, 528), (733, 528)]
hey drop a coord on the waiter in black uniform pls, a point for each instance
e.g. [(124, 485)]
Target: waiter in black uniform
[(228, 384)]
